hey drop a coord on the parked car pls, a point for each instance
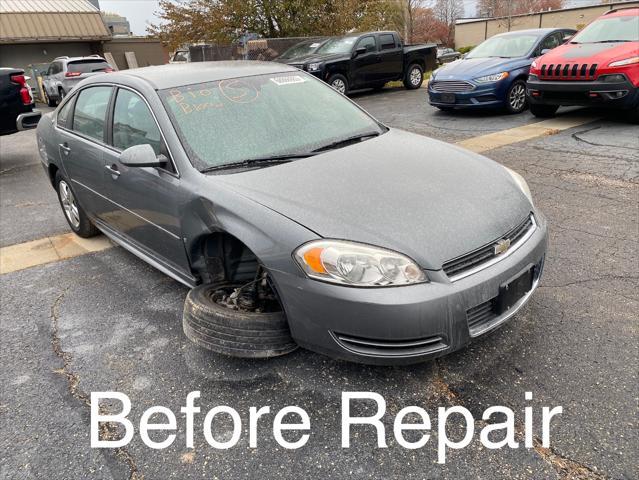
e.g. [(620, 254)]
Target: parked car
[(181, 56), (317, 226), (598, 67), (368, 60), (64, 73), (447, 55), (300, 50), (493, 74), (17, 110)]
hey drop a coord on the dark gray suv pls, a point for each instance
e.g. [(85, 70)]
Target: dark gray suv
[(297, 217)]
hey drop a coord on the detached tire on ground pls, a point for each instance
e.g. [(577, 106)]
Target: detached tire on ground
[(236, 333)]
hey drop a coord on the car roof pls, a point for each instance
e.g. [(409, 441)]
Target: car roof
[(623, 12), (533, 31), (173, 75)]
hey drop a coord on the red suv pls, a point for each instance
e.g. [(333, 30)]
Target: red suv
[(599, 66)]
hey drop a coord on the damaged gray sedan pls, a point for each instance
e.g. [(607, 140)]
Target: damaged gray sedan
[(297, 218)]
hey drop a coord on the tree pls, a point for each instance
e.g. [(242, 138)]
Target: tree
[(505, 8), (223, 21), (447, 11), (427, 28)]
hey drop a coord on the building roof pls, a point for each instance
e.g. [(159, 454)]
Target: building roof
[(33, 21)]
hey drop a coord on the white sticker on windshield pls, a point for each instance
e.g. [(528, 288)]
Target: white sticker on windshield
[(288, 80)]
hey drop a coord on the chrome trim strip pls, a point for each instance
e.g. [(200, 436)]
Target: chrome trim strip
[(130, 211), (144, 257), (513, 248), (348, 348), (497, 321)]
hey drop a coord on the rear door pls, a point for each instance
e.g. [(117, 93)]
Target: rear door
[(364, 65), (391, 58), (145, 201), (81, 127)]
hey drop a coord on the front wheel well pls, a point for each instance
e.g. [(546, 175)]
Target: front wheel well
[(220, 256), (53, 170)]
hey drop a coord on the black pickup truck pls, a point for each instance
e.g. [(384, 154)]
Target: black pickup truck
[(368, 60), (16, 102)]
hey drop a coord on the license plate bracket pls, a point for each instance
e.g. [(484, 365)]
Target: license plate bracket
[(513, 290), (447, 97)]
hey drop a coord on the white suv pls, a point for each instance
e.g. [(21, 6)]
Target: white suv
[(65, 72)]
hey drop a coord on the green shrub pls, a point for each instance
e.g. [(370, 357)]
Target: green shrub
[(465, 49)]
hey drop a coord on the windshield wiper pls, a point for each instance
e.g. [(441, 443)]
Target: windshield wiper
[(346, 141), (613, 41), (251, 162)]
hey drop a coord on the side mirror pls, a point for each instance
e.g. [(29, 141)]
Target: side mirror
[(545, 51), (141, 156), (359, 51)]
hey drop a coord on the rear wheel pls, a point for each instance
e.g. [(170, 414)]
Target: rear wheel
[(51, 102), (516, 97), (339, 83), (543, 111), (210, 323), (414, 77), (73, 212)]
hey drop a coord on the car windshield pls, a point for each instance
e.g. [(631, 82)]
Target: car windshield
[(235, 120), (622, 29), (88, 66), (507, 46), (300, 49), (338, 45)]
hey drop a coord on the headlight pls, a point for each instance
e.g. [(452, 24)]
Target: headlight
[(356, 264), (314, 67), (533, 64), (519, 180), (627, 61), (495, 77)]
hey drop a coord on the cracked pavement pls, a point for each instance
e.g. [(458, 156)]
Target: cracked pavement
[(107, 321)]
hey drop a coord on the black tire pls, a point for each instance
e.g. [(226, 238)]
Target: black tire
[(516, 101), (543, 111), (51, 102), (413, 73), (339, 83), (83, 227), (234, 333)]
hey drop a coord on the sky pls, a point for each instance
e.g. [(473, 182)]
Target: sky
[(141, 12)]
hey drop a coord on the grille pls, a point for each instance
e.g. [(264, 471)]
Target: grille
[(568, 71), (452, 86), (457, 267), (481, 314), (391, 348)]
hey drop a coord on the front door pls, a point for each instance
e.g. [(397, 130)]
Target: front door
[(391, 55), (364, 65), (145, 201)]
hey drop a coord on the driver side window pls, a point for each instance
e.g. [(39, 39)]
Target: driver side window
[(133, 123), (368, 43), (551, 41)]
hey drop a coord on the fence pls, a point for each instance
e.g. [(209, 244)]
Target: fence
[(473, 32), (265, 49)]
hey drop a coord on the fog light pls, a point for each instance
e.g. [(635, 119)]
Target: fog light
[(613, 78)]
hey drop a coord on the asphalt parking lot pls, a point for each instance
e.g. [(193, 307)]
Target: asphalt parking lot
[(106, 321)]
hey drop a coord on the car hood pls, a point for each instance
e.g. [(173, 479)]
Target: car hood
[(469, 68), (316, 58), (405, 192), (599, 53)]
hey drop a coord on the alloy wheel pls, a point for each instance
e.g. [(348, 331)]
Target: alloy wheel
[(415, 76), (69, 204), (339, 85), (517, 97)]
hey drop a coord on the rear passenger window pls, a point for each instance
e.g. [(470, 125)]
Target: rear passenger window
[(387, 42), (133, 123), (90, 112), (63, 115)]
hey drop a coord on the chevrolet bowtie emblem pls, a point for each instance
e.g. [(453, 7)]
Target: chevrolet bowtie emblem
[(502, 245)]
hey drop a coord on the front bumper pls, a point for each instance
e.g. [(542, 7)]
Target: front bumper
[(410, 324), (491, 95), (623, 95)]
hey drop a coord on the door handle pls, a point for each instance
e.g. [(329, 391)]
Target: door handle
[(113, 169), (65, 148)]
